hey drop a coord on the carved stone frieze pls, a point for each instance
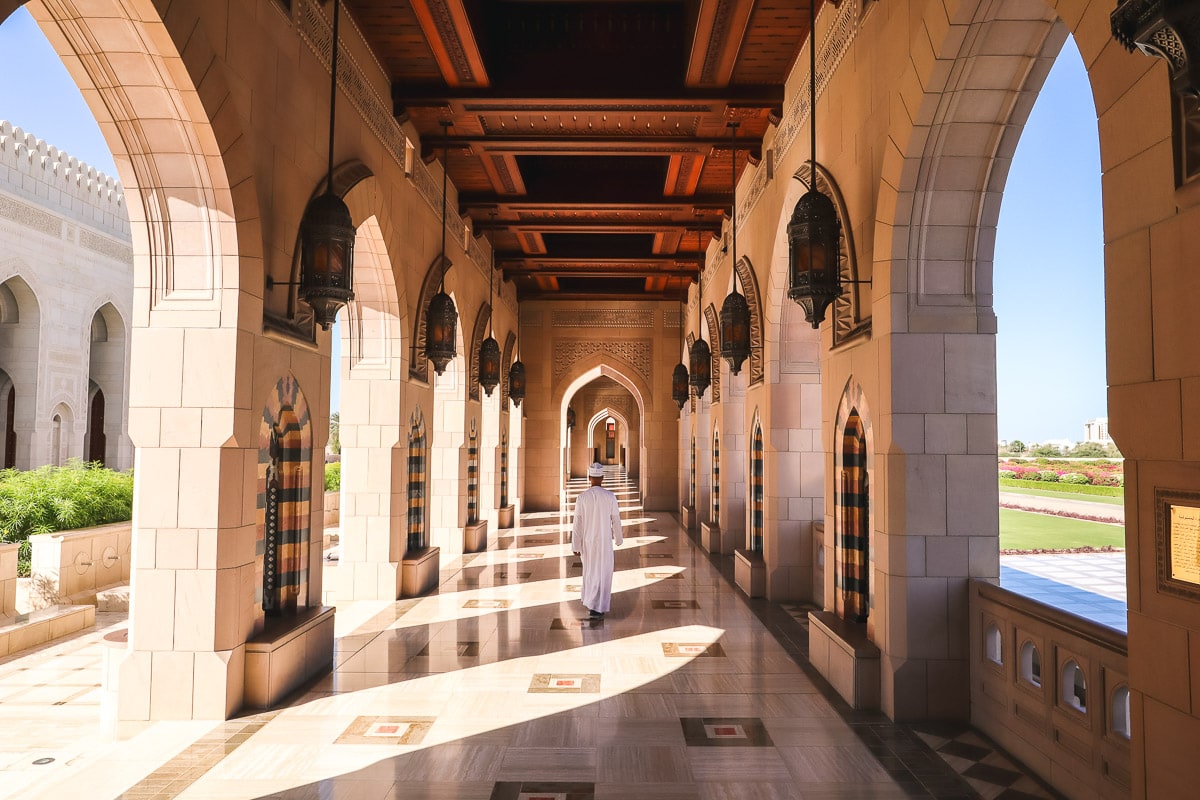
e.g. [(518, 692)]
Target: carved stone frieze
[(602, 318), (637, 353)]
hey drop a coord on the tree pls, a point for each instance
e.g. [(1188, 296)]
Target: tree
[(1089, 450), (1047, 451), (1016, 446), (335, 433)]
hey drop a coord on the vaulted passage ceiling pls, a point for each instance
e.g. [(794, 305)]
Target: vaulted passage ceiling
[(591, 140)]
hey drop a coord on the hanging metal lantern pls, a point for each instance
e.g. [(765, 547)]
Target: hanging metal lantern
[(570, 417), (814, 246), (441, 324), (701, 363), (489, 364), (326, 257), (679, 385), (516, 383), (735, 330)]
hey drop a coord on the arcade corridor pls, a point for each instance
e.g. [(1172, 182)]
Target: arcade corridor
[(498, 687)]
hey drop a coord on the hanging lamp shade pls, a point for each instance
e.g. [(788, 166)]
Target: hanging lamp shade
[(735, 330), (326, 257), (516, 383), (489, 364), (679, 385), (814, 252), (570, 417), (701, 363), (441, 324)]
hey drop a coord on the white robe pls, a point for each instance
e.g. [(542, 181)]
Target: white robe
[(597, 528)]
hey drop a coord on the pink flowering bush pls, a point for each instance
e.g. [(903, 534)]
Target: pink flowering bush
[(1100, 472)]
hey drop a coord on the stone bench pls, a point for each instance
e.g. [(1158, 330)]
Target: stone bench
[(506, 516), (750, 572), (845, 657), (24, 631), (687, 517), (419, 571), (288, 651)]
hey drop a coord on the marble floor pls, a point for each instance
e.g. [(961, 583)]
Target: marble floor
[(498, 686)]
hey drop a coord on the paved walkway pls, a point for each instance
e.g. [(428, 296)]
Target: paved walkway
[(1089, 585), (1053, 505), (499, 687)]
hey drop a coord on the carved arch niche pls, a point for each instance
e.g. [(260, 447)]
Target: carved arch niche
[(749, 286), (418, 367), (851, 311)]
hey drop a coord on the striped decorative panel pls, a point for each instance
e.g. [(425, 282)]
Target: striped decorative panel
[(417, 536), (852, 539), (473, 476), (716, 476), (756, 491), (504, 469), (283, 503), (692, 477)]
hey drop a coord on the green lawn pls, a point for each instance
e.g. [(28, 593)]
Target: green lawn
[(1091, 498), (1022, 530)]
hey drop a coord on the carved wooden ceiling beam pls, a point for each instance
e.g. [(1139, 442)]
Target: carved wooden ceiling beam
[(448, 31), (720, 28)]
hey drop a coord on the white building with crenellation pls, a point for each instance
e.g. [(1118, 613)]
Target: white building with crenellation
[(66, 296)]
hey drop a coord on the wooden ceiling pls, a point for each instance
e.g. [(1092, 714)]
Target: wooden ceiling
[(590, 140)]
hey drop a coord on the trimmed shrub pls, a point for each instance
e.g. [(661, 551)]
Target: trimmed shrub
[(333, 477), (1105, 491), (1048, 475), (1076, 478), (53, 499), (1008, 473)]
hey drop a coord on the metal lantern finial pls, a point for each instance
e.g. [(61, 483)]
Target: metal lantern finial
[(735, 311), (327, 232), (814, 233), (441, 318)]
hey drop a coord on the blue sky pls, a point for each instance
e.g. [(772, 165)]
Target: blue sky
[(1048, 268)]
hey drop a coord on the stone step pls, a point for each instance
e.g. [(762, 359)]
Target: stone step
[(114, 599)]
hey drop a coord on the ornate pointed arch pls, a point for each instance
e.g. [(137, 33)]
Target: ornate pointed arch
[(749, 283), (851, 311), (714, 336), (418, 368), (477, 337)]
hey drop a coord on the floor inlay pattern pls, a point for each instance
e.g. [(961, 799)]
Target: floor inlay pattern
[(686, 690)]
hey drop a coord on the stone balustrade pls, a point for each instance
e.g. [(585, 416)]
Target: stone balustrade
[(71, 566), (1053, 690)]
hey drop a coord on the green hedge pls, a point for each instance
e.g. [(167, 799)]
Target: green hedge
[(1065, 488), (333, 477), (53, 499)]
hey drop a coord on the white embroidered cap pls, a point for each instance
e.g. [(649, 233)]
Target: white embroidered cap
[(596, 470)]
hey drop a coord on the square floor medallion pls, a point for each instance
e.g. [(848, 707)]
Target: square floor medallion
[(574, 587), (507, 575), (560, 624), (386, 730), (487, 604), (462, 650), (656, 555), (676, 604), (538, 542), (692, 650), (725, 732), (564, 683), (664, 575), (543, 790)]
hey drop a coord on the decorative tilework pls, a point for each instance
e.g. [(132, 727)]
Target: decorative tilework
[(417, 481), (725, 732), (543, 790), (564, 683), (386, 730), (756, 490), (853, 532), (473, 475), (664, 576), (716, 475), (693, 650), (981, 763), (487, 604), (560, 624), (674, 604)]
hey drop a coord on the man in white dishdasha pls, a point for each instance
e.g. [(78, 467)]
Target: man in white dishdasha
[(597, 528)]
